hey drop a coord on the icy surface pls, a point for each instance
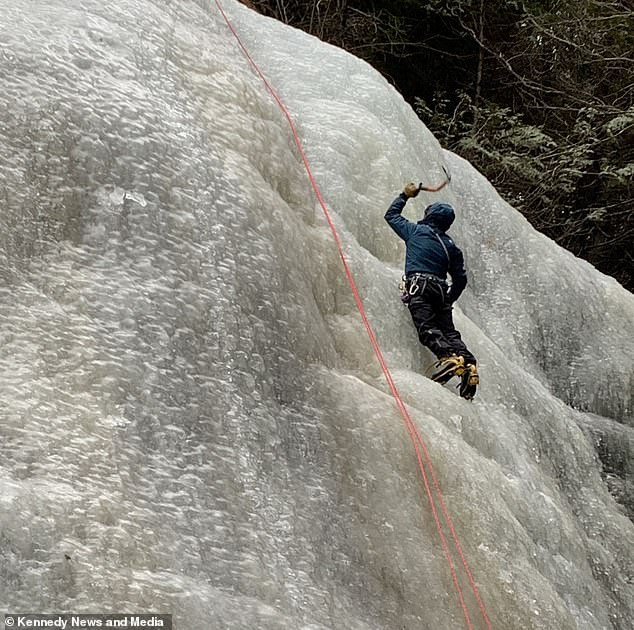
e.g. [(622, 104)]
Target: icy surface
[(192, 417)]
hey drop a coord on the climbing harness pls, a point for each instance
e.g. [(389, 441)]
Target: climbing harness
[(416, 283), (425, 464)]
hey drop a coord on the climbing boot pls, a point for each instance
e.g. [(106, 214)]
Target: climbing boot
[(447, 367), (469, 381)]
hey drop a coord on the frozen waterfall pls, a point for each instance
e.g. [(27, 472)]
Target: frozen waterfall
[(193, 421)]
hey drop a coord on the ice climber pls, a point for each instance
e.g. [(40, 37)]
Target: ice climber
[(430, 254)]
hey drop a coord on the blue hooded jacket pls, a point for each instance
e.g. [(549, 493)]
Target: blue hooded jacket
[(424, 252)]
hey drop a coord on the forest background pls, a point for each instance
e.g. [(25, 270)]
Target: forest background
[(538, 95)]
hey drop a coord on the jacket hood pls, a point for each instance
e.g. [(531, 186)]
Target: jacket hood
[(439, 215)]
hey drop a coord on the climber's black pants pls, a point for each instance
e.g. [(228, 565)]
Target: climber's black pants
[(433, 319)]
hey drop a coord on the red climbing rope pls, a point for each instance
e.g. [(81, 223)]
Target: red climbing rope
[(422, 454)]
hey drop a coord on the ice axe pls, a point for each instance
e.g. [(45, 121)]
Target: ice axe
[(437, 188)]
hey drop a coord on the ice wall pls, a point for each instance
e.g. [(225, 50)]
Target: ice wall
[(193, 420)]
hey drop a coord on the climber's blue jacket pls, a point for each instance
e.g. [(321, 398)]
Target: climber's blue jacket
[(424, 251)]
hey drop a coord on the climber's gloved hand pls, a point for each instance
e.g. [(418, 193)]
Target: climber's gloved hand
[(411, 190)]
